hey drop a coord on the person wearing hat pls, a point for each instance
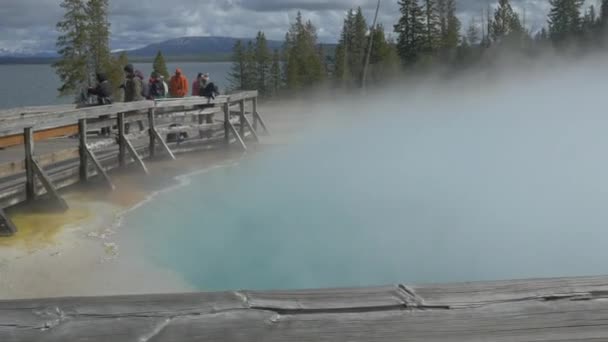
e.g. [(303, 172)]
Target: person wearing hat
[(178, 86), (196, 85), (133, 85)]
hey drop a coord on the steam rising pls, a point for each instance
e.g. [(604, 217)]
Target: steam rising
[(485, 178)]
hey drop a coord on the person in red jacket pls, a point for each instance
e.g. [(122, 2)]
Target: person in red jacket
[(178, 86)]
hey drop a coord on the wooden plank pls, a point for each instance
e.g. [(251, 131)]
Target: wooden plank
[(82, 139), (242, 117), (258, 117), (99, 168), (122, 149), (236, 135), (138, 159), (162, 143), (245, 122), (53, 120), (244, 95), (7, 227), (254, 109), (484, 293), (226, 123), (190, 101), (151, 130), (30, 185), (49, 187), (326, 315)]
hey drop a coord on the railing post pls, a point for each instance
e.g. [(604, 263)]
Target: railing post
[(227, 123), (122, 149), (30, 183), (151, 132), (82, 149), (254, 111), (242, 118)]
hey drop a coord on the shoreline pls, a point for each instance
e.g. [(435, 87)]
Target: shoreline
[(78, 253)]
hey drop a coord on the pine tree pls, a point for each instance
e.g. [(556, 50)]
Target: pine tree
[(236, 77), (473, 32), (160, 66), (72, 45), (342, 71), (410, 32), (275, 73), (384, 60), (303, 66), (452, 35), (433, 26), (250, 72), (98, 28), (506, 22), (564, 19), (116, 74), (358, 46), (263, 60)]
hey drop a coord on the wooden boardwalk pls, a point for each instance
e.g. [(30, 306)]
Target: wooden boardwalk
[(45, 149), (568, 309)]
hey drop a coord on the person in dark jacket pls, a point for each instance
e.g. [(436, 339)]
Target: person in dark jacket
[(208, 89), (133, 85), (103, 90), (156, 87)]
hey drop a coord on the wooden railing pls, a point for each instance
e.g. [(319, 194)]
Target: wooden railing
[(213, 122)]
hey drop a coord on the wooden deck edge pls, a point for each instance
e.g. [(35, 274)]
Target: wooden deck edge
[(560, 309)]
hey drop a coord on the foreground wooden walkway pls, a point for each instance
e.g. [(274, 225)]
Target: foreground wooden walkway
[(45, 149), (569, 309)]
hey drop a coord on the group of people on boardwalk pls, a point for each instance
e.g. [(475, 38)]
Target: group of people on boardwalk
[(136, 89)]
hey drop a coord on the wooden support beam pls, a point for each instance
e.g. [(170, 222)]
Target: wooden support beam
[(227, 123), (245, 121), (82, 135), (242, 117), (30, 183), (151, 129), (122, 149), (50, 188), (134, 154), (236, 135), (254, 109), (99, 167), (7, 227), (258, 117), (162, 142)]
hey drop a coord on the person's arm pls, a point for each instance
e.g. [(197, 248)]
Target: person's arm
[(185, 86)]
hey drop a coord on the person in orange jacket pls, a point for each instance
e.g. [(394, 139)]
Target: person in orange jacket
[(178, 86)]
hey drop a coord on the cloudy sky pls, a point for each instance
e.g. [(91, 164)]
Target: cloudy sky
[(30, 24)]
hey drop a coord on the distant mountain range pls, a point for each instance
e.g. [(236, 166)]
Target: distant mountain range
[(185, 48)]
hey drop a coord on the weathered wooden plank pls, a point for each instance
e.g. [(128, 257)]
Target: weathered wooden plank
[(245, 122), (7, 227), (190, 101), (138, 159), (244, 95), (99, 168), (122, 149), (53, 120), (82, 148), (326, 315), (49, 187), (30, 185), (162, 142), (259, 119), (237, 135), (483, 293)]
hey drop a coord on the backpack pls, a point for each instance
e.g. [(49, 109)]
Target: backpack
[(209, 91)]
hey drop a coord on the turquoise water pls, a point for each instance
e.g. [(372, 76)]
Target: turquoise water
[(429, 198)]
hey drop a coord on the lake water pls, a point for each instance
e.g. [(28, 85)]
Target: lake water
[(36, 85), (511, 184)]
